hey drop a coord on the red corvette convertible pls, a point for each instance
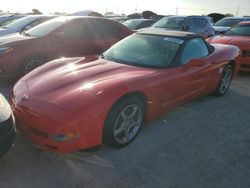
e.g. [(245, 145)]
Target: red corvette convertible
[(238, 35), (76, 103)]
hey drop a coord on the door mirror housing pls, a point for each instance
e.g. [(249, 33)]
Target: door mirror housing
[(186, 28), (27, 27)]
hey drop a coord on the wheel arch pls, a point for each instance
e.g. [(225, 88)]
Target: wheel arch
[(137, 94), (233, 63), (29, 57)]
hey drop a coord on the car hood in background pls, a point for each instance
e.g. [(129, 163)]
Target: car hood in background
[(4, 32), (12, 38), (240, 41), (220, 29)]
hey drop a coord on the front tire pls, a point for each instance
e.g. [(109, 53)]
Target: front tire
[(31, 64), (124, 122), (224, 81)]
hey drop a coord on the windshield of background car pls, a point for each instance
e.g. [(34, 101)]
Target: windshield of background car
[(239, 30), (169, 22), (46, 27), (227, 22), (20, 22), (133, 24), (145, 50)]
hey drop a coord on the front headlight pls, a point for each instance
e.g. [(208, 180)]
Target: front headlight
[(5, 111), (5, 50)]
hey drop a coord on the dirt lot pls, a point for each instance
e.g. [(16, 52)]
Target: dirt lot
[(203, 144)]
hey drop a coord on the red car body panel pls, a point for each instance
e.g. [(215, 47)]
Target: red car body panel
[(76, 94), (52, 47), (242, 42)]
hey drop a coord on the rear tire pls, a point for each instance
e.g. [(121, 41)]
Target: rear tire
[(225, 81), (124, 122)]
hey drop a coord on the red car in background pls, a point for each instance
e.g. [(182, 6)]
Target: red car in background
[(60, 37), (76, 103), (239, 36)]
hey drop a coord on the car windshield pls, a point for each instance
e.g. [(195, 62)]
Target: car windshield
[(239, 30), (46, 27), (145, 50), (227, 22), (169, 22), (20, 23), (8, 21), (133, 24)]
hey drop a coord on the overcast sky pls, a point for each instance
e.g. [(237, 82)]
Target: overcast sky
[(185, 7)]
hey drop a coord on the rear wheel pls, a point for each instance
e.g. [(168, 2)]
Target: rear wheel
[(124, 122), (225, 81)]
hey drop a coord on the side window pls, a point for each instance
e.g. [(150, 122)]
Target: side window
[(146, 24), (200, 23), (102, 28), (190, 23), (195, 48), (76, 29)]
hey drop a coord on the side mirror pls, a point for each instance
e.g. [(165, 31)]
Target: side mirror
[(186, 28), (222, 32), (27, 27), (196, 63)]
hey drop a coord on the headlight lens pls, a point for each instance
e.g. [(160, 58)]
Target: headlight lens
[(5, 50)]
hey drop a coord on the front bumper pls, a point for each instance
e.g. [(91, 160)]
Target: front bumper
[(39, 119), (244, 64), (7, 135)]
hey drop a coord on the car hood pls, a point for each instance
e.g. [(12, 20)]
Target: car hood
[(240, 41), (6, 31), (60, 79), (13, 38), (221, 28)]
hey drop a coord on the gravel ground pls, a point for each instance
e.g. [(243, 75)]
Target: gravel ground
[(203, 144)]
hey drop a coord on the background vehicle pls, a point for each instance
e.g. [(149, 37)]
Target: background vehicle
[(196, 24), (135, 24), (7, 127), (239, 35), (23, 24), (157, 67), (7, 19), (225, 24), (59, 37)]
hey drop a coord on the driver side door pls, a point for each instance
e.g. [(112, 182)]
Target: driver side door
[(190, 78)]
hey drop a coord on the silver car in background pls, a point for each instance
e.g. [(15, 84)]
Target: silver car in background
[(23, 24), (196, 24), (225, 24)]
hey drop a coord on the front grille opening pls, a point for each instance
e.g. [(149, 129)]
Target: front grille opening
[(245, 66), (246, 53), (50, 147)]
